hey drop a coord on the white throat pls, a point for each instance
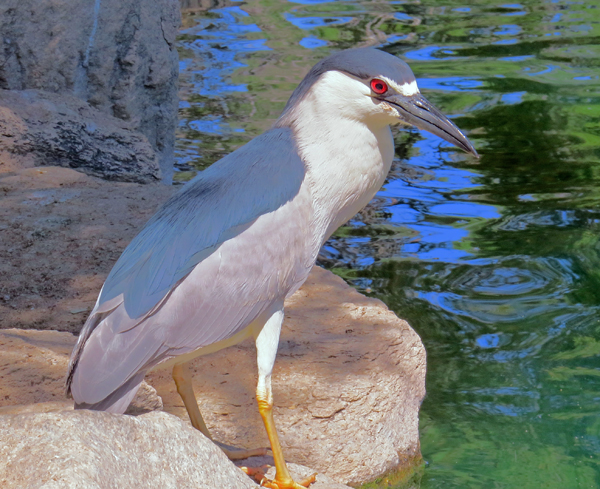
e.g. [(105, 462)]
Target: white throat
[(346, 144)]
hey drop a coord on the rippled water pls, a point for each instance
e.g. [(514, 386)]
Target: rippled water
[(496, 262)]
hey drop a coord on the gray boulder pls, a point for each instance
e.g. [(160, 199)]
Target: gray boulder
[(100, 450), (118, 55), (62, 130)]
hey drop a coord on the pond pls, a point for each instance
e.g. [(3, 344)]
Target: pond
[(495, 262)]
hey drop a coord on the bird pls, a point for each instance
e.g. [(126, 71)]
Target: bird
[(216, 262)]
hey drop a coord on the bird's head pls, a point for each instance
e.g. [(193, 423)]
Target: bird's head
[(374, 87)]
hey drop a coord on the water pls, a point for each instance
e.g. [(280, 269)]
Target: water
[(496, 262)]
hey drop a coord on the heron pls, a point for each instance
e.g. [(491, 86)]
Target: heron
[(216, 262)]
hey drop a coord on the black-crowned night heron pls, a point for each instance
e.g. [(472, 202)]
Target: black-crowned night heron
[(216, 262)]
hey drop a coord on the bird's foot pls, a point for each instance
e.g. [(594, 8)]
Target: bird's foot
[(289, 483), (234, 453)]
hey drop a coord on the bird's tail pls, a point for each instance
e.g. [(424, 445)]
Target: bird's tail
[(93, 320), (118, 400), (97, 377)]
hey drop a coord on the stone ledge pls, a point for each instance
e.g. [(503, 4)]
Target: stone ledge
[(101, 450), (62, 130)]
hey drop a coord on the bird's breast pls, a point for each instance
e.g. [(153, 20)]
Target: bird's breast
[(345, 169)]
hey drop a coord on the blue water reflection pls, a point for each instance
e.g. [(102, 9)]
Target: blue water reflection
[(508, 30), (401, 16), (222, 40), (428, 53), (312, 43), (312, 2), (448, 83), (512, 98), (211, 52)]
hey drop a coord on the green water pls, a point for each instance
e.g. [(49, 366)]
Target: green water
[(496, 262)]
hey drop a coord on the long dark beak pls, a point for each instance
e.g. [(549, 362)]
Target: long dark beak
[(417, 110)]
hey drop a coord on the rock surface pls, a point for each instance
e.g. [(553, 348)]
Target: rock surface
[(119, 56), (61, 233), (347, 384), (100, 450), (62, 130)]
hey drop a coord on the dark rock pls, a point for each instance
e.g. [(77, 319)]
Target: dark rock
[(62, 130), (118, 55)]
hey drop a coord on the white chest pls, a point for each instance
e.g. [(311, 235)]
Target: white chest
[(346, 166), (343, 136)]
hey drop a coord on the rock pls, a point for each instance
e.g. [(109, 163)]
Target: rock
[(101, 450), (347, 385), (33, 365), (62, 130), (299, 472), (146, 400), (32, 368), (60, 233), (118, 55)]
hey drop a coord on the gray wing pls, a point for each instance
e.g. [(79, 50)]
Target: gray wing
[(214, 207), (185, 259)]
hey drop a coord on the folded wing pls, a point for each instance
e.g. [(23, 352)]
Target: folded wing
[(184, 283)]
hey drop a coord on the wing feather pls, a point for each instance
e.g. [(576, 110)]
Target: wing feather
[(217, 205), (184, 283)]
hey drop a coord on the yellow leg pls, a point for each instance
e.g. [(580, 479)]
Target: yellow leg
[(266, 348), (283, 479), (183, 380)]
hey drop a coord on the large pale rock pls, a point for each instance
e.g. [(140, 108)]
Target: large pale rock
[(348, 383), (118, 55), (81, 445), (99, 450), (62, 130)]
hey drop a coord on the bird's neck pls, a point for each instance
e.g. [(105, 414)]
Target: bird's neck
[(346, 160)]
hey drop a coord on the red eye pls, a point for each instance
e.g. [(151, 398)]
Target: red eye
[(379, 86)]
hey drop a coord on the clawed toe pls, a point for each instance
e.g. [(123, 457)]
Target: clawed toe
[(309, 480)]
